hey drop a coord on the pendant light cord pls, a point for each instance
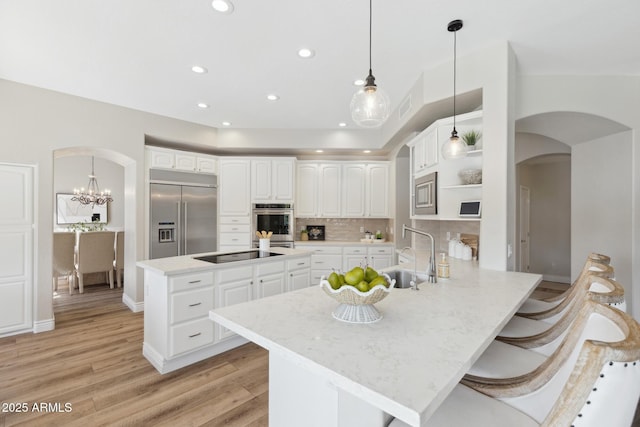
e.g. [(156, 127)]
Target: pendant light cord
[(454, 82), (370, 24)]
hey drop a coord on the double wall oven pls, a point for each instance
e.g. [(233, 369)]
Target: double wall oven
[(277, 218)]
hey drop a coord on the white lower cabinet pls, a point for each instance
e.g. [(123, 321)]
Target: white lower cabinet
[(381, 256), (177, 328), (354, 256), (299, 274)]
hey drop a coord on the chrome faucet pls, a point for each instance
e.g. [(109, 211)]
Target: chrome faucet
[(431, 268), (414, 277)]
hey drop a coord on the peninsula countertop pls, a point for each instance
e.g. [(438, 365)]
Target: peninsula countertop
[(408, 362), (188, 264)]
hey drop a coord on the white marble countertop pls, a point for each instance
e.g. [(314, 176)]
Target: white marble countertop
[(408, 362), (187, 264)]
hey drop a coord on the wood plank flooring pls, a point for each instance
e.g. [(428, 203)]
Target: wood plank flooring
[(93, 362)]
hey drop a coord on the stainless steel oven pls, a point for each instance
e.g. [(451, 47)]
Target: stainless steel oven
[(425, 194), (274, 217)]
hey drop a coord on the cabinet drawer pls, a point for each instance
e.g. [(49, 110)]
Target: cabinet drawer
[(324, 250), (233, 274), (270, 268), (382, 250), (355, 250), (295, 264), (189, 336), (235, 220), (326, 262), (238, 239), (235, 228), (191, 305), (190, 281), (316, 276)]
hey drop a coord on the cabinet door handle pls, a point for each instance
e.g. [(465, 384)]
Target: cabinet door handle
[(261, 280), (319, 262), (195, 281), (301, 263), (291, 274), (195, 305), (195, 335)]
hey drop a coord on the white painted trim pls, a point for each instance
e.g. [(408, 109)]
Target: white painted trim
[(133, 306), (44, 325), (164, 366), (556, 278)]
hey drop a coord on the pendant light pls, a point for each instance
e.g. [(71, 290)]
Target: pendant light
[(370, 105), (454, 148), (92, 195)]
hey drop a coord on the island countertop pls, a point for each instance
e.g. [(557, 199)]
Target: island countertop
[(408, 362), (187, 264)]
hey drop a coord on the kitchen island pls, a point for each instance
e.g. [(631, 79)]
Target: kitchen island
[(180, 291), (324, 373)]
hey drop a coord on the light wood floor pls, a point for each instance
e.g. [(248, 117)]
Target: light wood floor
[(93, 361)]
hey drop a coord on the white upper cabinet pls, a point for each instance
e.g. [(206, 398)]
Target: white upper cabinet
[(272, 180), (424, 150), (164, 158), (306, 205), (354, 190), (377, 190), (342, 189), (234, 190), (330, 190)]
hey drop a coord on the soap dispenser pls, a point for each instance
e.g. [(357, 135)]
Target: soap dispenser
[(443, 266)]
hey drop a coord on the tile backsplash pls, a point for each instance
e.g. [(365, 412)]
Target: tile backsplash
[(345, 229), (439, 229)]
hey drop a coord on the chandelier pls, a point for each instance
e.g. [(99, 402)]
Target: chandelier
[(92, 195)]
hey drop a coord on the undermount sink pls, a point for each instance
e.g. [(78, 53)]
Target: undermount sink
[(403, 278)]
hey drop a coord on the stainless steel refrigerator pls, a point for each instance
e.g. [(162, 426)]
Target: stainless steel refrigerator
[(183, 219)]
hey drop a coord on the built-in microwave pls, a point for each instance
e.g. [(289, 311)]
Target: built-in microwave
[(274, 217), (425, 194)]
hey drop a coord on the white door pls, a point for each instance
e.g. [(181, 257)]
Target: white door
[(299, 279), (270, 285), (229, 294), (525, 203), (283, 180), (307, 190), (377, 190), (261, 180), (16, 251), (330, 192), (234, 190)]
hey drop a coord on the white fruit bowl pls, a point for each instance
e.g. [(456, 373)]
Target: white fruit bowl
[(356, 306)]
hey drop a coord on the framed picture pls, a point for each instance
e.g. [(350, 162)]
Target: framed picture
[(71, 212)]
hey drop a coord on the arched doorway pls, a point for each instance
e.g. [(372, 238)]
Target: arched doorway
[(127, 210)]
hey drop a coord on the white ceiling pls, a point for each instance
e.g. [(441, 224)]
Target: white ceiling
[(139, 53)]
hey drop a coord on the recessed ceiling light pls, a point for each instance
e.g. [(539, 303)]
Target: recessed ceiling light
[(198, 69), (203, 105), (367, 151), (226, 123), (273, 97), (358, 82), (342, 124), (306, 53), (222, 6), (319, 151)]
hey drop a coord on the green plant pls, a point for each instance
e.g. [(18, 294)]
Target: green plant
[(87, 226), (471, 137)]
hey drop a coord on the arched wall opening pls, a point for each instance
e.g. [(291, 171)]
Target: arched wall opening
[(129, 210)]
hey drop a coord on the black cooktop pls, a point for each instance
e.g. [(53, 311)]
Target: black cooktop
[(236, 256)]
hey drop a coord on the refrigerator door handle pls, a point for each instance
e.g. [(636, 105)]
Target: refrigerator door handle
[(180, 231), (185, 234)]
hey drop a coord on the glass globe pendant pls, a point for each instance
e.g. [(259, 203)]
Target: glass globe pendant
[(370, 105), (454, 148)]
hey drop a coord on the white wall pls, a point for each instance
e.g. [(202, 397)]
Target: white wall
[(550, 217), (616, 98), (529, 145), (37, 125), (72, 172), (602, 204)]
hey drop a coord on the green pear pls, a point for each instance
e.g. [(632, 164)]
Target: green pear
[(333, 280), (362, 286), (380, 280), (370, 274), (355, 276)]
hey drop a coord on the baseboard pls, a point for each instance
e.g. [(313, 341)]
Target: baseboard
[(556, 278), (133, 306), (44, 325)]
